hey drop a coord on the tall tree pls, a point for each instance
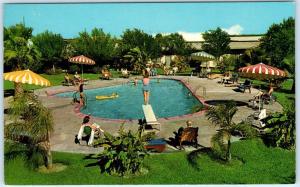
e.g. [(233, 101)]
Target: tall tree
[(137, 38), (51, 47), (279, 41), (279, 44), (19, 51), (216, 42), (97, 45)]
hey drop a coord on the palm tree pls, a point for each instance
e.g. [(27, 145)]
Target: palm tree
[(19, 51), (137, 59), (222, 115), (30, 131)]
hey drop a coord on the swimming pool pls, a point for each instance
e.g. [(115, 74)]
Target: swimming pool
[(168, 98)]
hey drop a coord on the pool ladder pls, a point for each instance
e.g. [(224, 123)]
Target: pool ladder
[(203, 90), (85, 99)]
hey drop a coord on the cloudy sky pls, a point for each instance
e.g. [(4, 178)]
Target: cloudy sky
[(188, 19)]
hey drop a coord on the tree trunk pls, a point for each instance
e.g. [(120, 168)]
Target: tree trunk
[(228, 154), (48, 156), (53, 68), (18, 89)]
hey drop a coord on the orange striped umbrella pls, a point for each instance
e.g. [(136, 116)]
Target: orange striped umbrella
[(83, 60), (26, 76), (262, 71)]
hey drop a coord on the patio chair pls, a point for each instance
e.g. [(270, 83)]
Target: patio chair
[(189, 134), (246, 85), (150, 116)]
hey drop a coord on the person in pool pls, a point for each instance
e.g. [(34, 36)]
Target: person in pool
[(135, 81), (81, 94), (146, 87)]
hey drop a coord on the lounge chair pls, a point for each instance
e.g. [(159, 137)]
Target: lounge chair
[(245, 85), (150, 116), (105, 74), (189, 134), (257, 120), (125, 73)]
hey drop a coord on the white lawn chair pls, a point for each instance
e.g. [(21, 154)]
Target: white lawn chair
[(150, 116)]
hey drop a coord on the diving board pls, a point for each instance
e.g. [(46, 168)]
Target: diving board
[(150, 116)]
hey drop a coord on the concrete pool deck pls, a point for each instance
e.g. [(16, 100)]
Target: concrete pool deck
[(67, 121)]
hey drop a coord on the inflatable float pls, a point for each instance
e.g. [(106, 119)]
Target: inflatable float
[(102, 97)]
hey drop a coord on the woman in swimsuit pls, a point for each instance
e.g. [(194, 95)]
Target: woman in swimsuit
[(146, 88)]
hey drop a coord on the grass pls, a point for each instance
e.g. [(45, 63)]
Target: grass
[(56, 80), (256, 164)]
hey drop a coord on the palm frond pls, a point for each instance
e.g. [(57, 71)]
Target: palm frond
[(245, 129)]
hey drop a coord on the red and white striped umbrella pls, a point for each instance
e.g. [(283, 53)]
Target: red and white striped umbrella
[(262, 71), (83, 60)]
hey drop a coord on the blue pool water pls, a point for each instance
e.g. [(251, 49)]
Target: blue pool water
[(168, 98)]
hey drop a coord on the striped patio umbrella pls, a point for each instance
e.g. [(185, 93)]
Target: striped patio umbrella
[(26, 76), (262, 71), (202, 56), (83, 60)]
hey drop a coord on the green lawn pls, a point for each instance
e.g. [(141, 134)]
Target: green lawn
[(55, 80), (253, 163)]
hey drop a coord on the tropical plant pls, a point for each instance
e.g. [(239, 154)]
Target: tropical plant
[(281, 128), (19, 51), (222, 115), (123, 154), (216, 42), (29, 134), (136, 60), (228, 63), (51, 47), (173, 44)]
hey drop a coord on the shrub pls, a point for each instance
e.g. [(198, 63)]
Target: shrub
[(123, 154), (281, 129), (74, 68), (96, 69), (51, 72)]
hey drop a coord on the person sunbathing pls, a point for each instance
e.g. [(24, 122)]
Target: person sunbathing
[(263, 95)]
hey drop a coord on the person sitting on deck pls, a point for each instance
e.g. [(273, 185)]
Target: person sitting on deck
[(264, 95), (68, 80), (77, 78), (95, 130)]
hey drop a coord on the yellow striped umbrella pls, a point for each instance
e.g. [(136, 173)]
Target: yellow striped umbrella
[(26, 76)]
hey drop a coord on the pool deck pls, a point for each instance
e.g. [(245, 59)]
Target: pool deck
[(67, 119)]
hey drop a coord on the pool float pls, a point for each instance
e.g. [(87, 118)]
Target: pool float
[(102, 97)]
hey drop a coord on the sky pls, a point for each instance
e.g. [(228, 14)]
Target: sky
[(188, 19)]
